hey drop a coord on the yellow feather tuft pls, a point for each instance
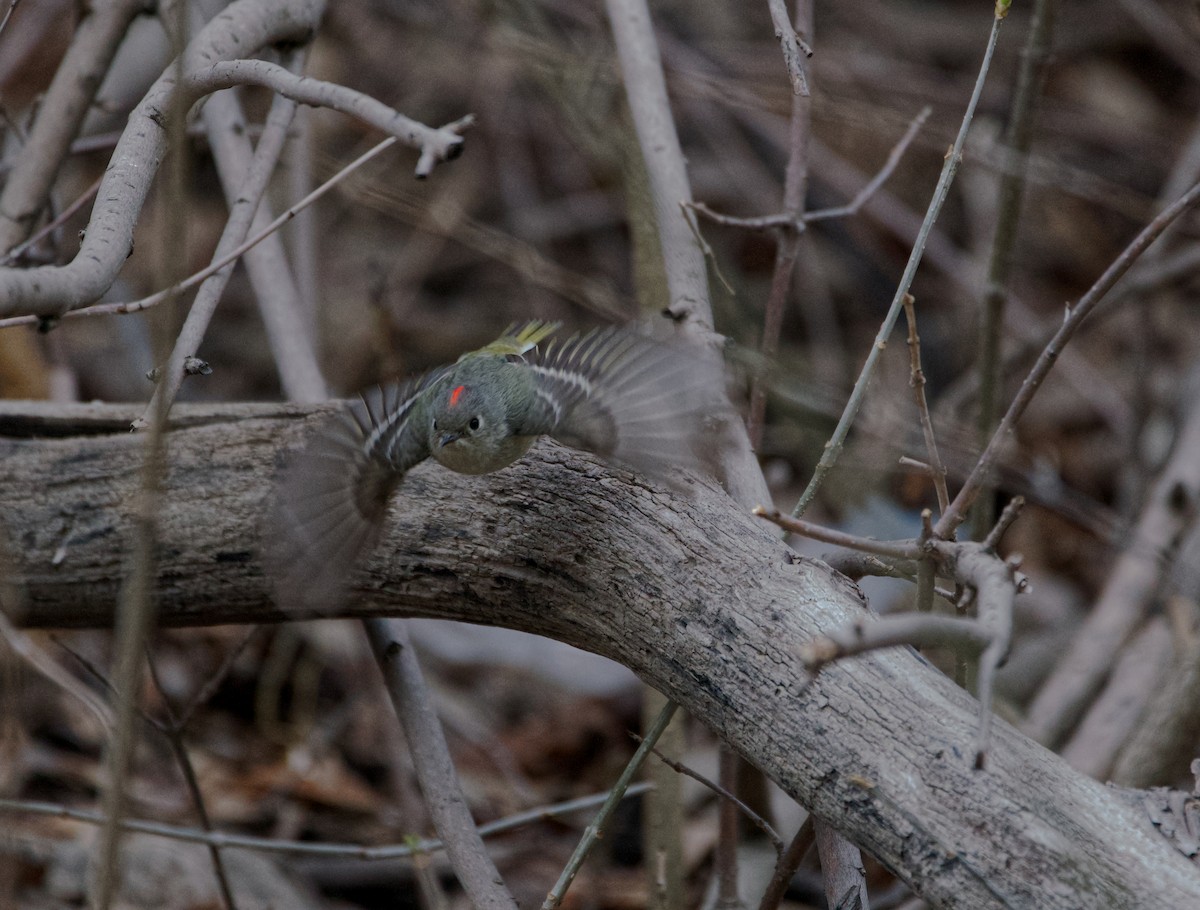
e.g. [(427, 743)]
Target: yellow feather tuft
[(516, 341)]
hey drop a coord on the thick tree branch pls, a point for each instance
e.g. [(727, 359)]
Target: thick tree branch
[(697, 597)]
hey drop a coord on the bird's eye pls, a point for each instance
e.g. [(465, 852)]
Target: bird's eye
[(475, 423), (435, 426)]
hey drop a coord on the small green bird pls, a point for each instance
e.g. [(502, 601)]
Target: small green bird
[(655, 407)]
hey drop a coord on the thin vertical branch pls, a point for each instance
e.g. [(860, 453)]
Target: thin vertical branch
[(787, 865), (937, 469), (267, 266), (841, 868), (434, 767), (682, 254), (793, 47), (662, 823), (303, 236), (1018, 137), (173, 730), (683, 258), (241, 216), (596, 829), (136, 607), (833, 448), (726, 859), (795, 189), (650, 107)]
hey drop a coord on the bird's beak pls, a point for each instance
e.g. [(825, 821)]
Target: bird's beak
[(445, 439)]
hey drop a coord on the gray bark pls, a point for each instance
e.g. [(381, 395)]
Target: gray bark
[(701, 600)]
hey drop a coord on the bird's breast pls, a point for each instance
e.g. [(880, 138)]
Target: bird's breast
[(468, 456)]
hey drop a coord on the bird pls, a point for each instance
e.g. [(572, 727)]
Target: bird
[(657, 408)]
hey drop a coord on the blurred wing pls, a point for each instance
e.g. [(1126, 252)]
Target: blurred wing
[(331, 500), (647, 404)]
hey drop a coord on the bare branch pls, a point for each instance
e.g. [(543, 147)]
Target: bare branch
[(435, 769), (794, 49), (759, 822), (937, 470), (786, 220), (60, 114), (671, 595), (596, 829), (435, 144), (799, 845), (833, 448), (226, 841), (241, 214), (1074, 317), (242, 28)]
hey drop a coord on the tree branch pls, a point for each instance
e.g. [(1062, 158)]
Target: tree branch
[(240, 29), (696, 596)]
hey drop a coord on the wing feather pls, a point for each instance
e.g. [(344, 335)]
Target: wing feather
[(646, 404), (331, 499)]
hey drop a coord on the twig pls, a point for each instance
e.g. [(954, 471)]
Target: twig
[(135, 306), (302, 238), (845, 878), (790, 44), (435, 144), (926, 573), (1011, 513), (596, 829), (683, 260), (888, 549), (937, 469), (836, 442), (787, 865), (646, 91), (80, 201), (759, 822), (173, 730), (787, 246), (784, 220), (209, 689), (241, 214), (663, 813), (919, 630), (226, 841), (293, 348), (28, 650), (137, 609), (1075, 315), (8, 15), (725, 855), (435, 769), (1018, 138), (872, 186), (994, 581)]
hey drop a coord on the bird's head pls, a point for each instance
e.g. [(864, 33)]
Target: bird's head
[(467, 430)]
